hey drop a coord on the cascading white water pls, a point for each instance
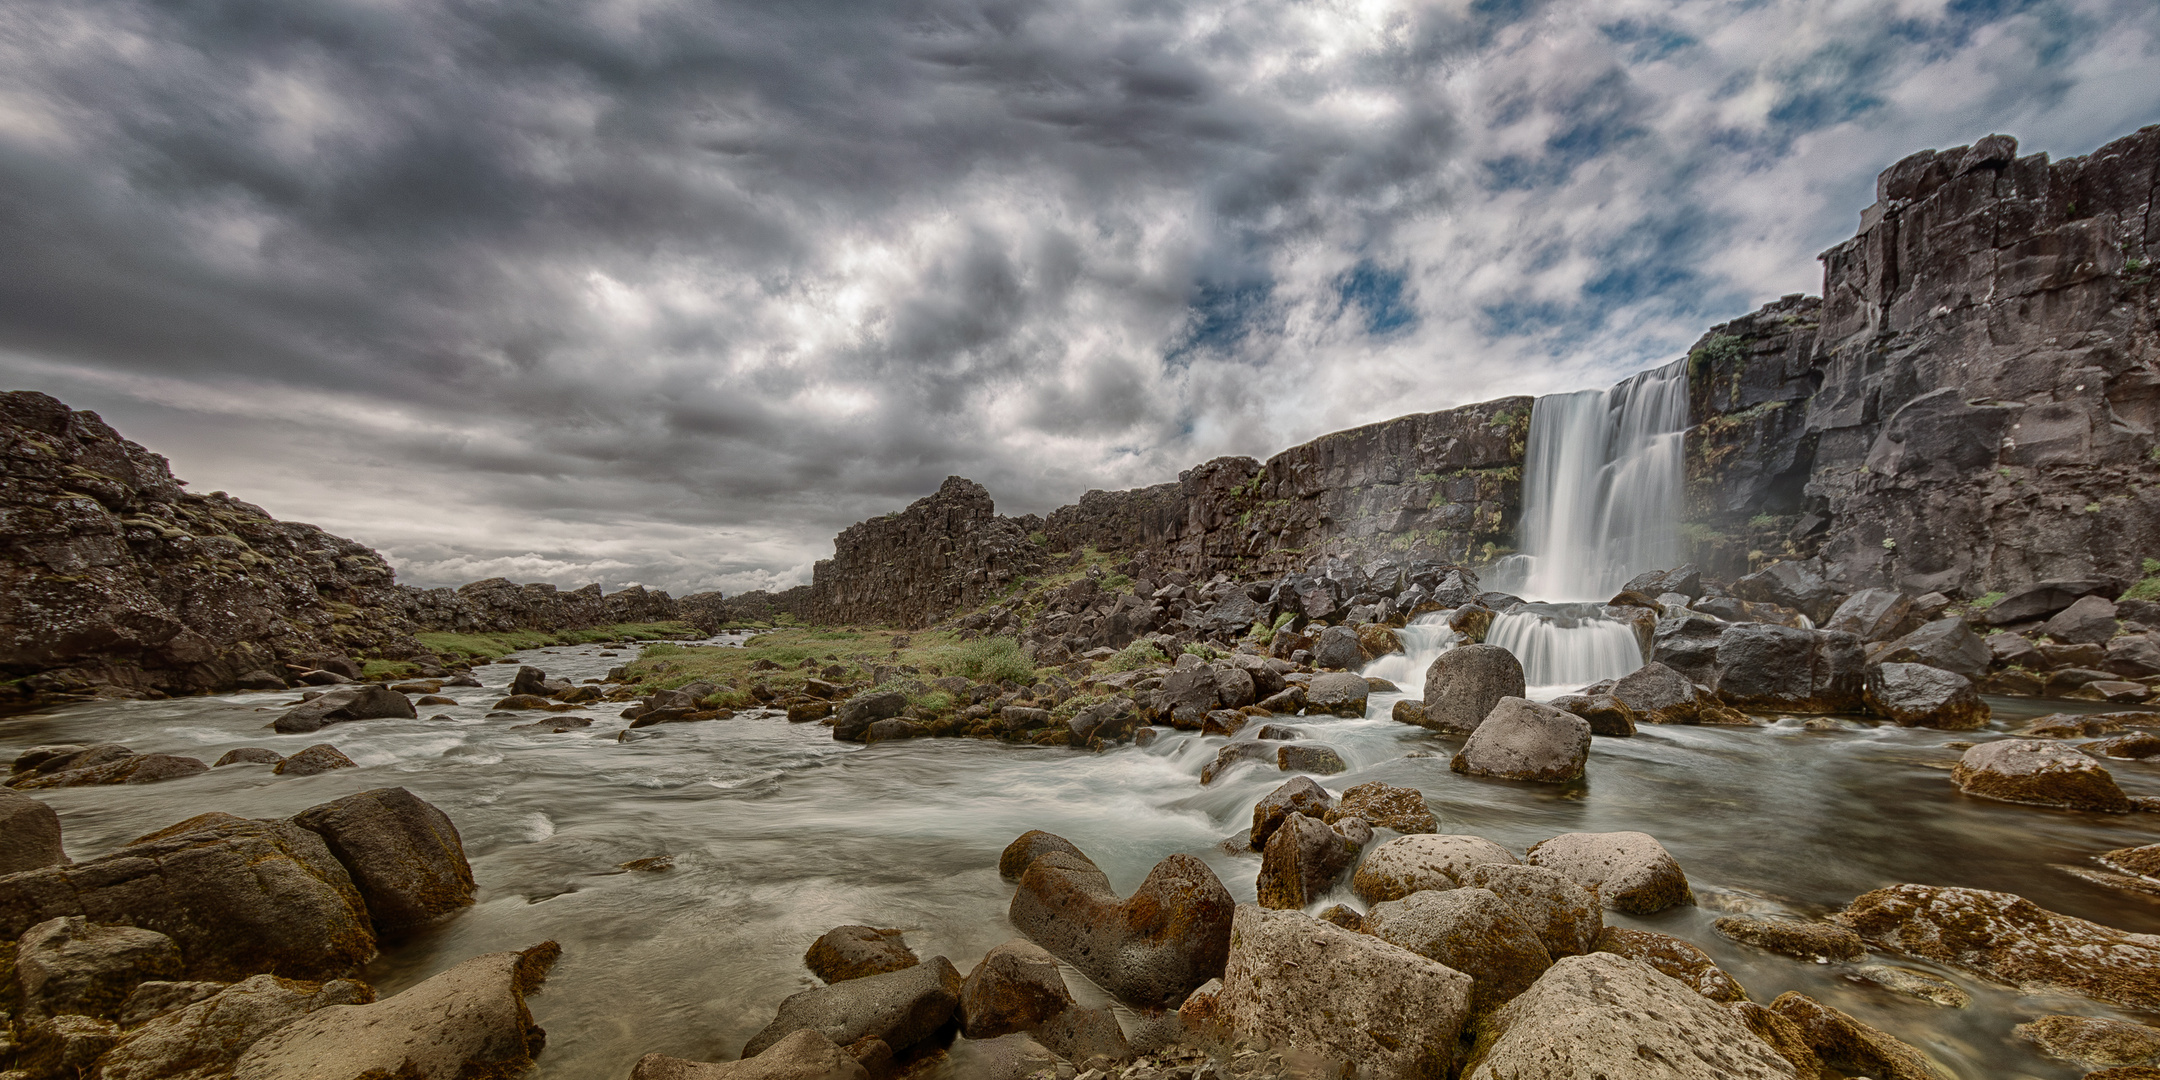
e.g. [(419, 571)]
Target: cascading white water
[(1602, 485), (1564, 647), (1426, 637)]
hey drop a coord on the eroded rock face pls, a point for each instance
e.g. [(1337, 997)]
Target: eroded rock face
[(1386, 806), (1470, 930), (1565, 916), (404, 855), (1603, 1015), (1408, 864), (1014, 861), (2012, 940), (1657, 694), (29, 834), (1806, 940), (1525, 740), (1760, 666), (1915, 695), (2094, 1042), (1340, 693), (852, 952), (1463, 684), (202, 1041), (284, 905), (899, 1008), (468, 1021), (1299, 795), (1631, 871), (1302, 860), (1150, 949), (2039, 773), (1353, 998), (1016, 987)]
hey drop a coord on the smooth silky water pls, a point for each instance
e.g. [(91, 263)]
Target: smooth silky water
[(779, 833)]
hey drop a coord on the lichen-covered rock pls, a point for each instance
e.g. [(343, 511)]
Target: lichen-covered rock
[(1470, 930), (1386, 806), (1947, 643), (804, 1055), (1845, 1043), (1915, 695), (2039, 773), (1760, 666), (203, 1040), (1340, 693), (1606, 714), (248, 755), (157, 997), (2012, 940), (1298, 795), (1923, 985), (369, 702), (1306, 757), (1524, 740), (857, 713), (1676, 957), (63, 1047), (1408, 864), (1603, 1015), (132, 769), (1566, 917), (316, 759), (1337, 647), (852, 952), (29, 834), (1806, 940), (2092, 1041), (284, 905), (1015, 987), (899, 1008), (2140, 861), (1149, 949), (1014, 861), (66, 966), (1302, 861), (468, 1021), (1657, 694), (1237, 753), (1299, 982), (404, 855), (1630, 871), (1464, 683)]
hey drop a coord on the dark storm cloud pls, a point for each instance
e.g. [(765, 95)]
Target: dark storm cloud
[(670, 291)]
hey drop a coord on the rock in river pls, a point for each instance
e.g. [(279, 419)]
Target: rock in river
[(1849, 1045), (1023, 851), (1385, 806), (1463, 684), (1408, 864), (1524, 740), (2012, 940), (1470, 930), (404, 855), (1340, 693), (1565, 916), (852, 952), (1015, 987), (29, 834), (1302, 860), (1631, 871), (368, 702), (68, 966), (1298, 795), (319, 758), (899, 1008), (2039, 773), (1806, 940), (805, 1055), (1915, 695), (2094, 1042), (1151, 949), (1676, 957)]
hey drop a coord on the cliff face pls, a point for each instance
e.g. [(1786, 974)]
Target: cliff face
[(945, 551)]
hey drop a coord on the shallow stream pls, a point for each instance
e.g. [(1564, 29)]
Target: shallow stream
[(778, 833)]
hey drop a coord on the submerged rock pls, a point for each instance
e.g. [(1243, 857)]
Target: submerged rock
[(319, 758), (852, 952), (1408, 864), (1845, 1043), (1630, 871), (1524, 740), (2093, 1042), (1806, 940), (248, 755), (2039, 773), (131, 769), (2011, 940), (1150, 949), (1302, 983), (899, 1008), (1915, 984)]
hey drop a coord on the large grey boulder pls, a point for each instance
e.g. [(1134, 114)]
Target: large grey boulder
[(1352, 998), (66, 966), (1946, 643), (1659, 694), (1783, 668), (2090, 621), (1407, 864), (805, 1055), (1565, 916), (1470, 930), (468, 1021), (1187, 696), (1152, 948), (1298, 795), (1871, 614), (29, 834), (1603, 1015), (2135, 656), (370, 702), (202, 1041), (2039, 772), (859, 712), (1338, 693), (900, 1008), (1916, 695), (1630, 871), (1687, 642), (1302, 861), (1464, 683), (1337, 647), (283, 905), (404, 855), (1794, 584), (2043, 599), (1524, 740)]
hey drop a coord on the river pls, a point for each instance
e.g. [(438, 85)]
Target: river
[(778, 833)]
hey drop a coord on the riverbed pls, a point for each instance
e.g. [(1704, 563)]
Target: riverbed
[(778, 833)]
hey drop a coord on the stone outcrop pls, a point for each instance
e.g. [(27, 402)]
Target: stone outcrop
[(944, 552)]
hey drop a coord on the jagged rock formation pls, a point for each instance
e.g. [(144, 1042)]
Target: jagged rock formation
[(712, 611), (498, 604), (944, 552)]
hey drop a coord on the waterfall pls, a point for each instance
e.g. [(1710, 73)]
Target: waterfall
[(1426, 637), (1602, 485), (1564, 647)]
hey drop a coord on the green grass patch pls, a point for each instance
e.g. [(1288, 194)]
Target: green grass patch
[(495, 646), (2149, 587), (1987, 600), (1135, 656)]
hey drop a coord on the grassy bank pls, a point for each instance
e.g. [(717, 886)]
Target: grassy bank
[(495, 646)]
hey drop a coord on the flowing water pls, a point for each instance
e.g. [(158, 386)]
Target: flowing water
[(779, 833), (1565, 646)]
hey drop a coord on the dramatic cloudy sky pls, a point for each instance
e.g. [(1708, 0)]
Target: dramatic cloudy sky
[(668, 291)]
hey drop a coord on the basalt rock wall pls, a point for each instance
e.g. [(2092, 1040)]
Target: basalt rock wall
[(944, 552)]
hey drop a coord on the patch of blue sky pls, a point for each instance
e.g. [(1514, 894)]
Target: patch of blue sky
[(1378, 293), (1223, 314)]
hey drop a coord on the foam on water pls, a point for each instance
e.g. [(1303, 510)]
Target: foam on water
[(1564, 647)]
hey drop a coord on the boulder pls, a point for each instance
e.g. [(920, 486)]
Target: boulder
[(403, 854), (62, 1048), (1017, 856), (853, 952), (893, 729), (1687, 642), (1603, 1015), (1302, 861), (319, 758), (248, 755), (1871, 614), (368, 702), (1630, 871), (1675, 957), (899, 1008), (1385, 806), (1337, 647), (1408, 711), (1565, 916), (1016, 987), (2043, 599), (1007, 1057), (132, 769), (1523, 740), (1338, 693), (2135, 656), (1308, 985), (2093, 1042), (1793, 937), (859, 712), (1945, 643), (29, 834), (804, 1055), (1915, 984), (1235, 754), (1299, 795), (203, 1040), (1305, 757), (1606, 714), (1187, 696), (1080, 1034), (1915, 695), (2008, 650), (283, 904), (2039, 773), (1470, 930), (1851, 1046), (66, 966), (156, 997), (1464, 683), (2138, 861), (2089, 621), (1783, 1035), (1150, 949), (530, 680), (1408, 864), (1378, 641), (2011, 940), (1793, 584), (1657, 694), (1782, 668), (468, 1021)]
